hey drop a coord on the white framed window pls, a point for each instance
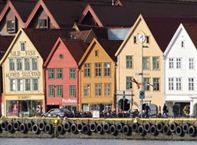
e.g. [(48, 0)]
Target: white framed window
[(170, 84), (128, 82), (11, 64), (146, 63), (35, 84), (98, 69), (20, 86), (19, 64), (156, 84), (87, 72), (27, 85), (107, 69), (191, 63), (86, 90), (191, 84), (27, 64), (13, 85), (155, 63), (98, 89), (129, 61), (171, 62), (22, 45), (178, 84), (146, 82), (72, 91), (107, 89), (34, 64), (178, 63)]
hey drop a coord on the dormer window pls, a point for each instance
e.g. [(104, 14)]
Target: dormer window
[(43, 23), (11, 26), (182, 44), (22, 46)]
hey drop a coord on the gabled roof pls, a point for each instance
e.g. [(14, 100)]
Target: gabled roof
[(44, 40), (110, 47), (21, 9), (4, 44), (75, 47), (2, 4), (63, 13), (108, 16), (191, 29), (162, 29)]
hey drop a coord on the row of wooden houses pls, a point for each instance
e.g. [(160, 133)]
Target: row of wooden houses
[(97, 55)]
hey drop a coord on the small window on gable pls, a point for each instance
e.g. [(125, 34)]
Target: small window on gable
[(43, 23), (134, 39), (96, 53), (182, 44), (147, 39), (11, 26), (22, 45), (61, 56)]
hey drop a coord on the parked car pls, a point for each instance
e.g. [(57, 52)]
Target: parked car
[(56, 112)]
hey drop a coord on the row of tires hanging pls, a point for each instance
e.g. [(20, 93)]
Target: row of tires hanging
[(89, 128)]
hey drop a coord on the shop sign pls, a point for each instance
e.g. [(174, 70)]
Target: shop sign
[(23, 74), (23, 53), (69, 101), (24, 97)]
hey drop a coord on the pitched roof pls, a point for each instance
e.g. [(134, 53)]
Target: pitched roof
[(24, 7), (191, 29), (110, 47), (163, 29), (2, 4), (4, 44), (65, 12), (76, 48), (44, 40)]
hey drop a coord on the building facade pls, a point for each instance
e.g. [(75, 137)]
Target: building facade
[(97, 76), (180, 72), (23, 88), (139, 68), (62, 79)]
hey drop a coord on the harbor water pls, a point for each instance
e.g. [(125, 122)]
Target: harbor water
[(55, 141)]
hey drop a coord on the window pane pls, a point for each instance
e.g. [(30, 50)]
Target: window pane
[(59, 90), (178, 63), (191, 63), (191, 84), (51, 90), (20, 84), (107, 87), (156, 84), (128, 83), (98, 89), (35, 84), (146, 83), (87, 70), (170, 84), (97, 69), (129, 61), (27, 64), (146, 63), (155, 63), (72, 90), (27, 85), (72, 73), (59, 74), (12, 85), (19, 63), (107, 69), (86, 90), (22, 46), (171, 63), (178, 84), (34, 64), (51, 73), (11, 64)]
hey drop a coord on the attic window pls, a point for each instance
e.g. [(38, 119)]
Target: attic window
[(182, 44), (147, 39), (61, 56), (96, 53), (22, 45), (43, 23), (11, 26), (134, 40)]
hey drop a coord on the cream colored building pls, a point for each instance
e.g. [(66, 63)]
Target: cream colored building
[(23, 93), (140, 50)]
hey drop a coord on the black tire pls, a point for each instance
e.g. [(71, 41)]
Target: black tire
[(60, 129), (179, 131), (141, 130), (4, 125), (126, 129), (66, 127), (192, 131), (16, 125), (29, 126), (35, 129), (166, 129), (23, 128), (42, 126), (106, 127), (99, 128), (80, 127), (113, 130), (159, 126), (135, 127), (173, 127), (153, 130), (185, 127), (49, 128), (147, 126), (93, 127), (73, 128), (10, 127), (119, 127), (86, 129)]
